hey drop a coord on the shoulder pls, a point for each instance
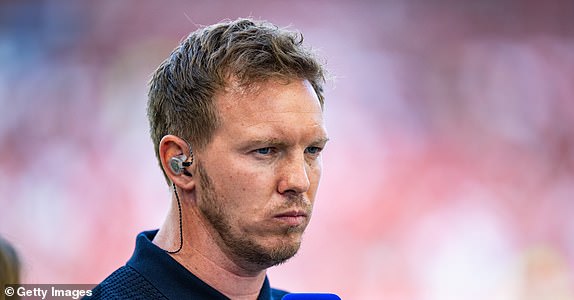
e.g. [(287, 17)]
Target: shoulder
[(125, 283)]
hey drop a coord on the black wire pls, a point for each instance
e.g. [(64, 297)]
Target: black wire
[(180, 222)]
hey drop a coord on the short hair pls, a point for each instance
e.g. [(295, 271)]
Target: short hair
[(244, 51)]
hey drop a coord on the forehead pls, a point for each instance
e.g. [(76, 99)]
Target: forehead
[(272, 106)]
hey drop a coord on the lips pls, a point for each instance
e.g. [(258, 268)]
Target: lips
[(292, 217), (292, 213)]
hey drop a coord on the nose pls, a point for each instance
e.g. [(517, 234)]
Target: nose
[(294, 177)]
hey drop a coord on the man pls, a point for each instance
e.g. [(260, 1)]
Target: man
[(9, 267), (236, 119)]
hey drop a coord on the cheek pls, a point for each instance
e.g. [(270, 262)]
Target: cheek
[(245, 188), (314, 174)]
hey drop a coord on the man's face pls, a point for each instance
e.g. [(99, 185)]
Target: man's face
[(259, 174)]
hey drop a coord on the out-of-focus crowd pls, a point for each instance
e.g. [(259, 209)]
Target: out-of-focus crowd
[(449, 174)]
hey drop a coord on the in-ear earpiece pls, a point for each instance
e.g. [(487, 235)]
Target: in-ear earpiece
[(177, 164)]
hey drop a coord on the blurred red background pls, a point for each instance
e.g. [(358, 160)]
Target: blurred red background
[(449, 174)]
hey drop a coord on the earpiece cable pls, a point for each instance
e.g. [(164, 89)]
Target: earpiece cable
[(180, 222)]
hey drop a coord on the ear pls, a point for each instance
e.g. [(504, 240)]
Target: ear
[(171, 146)]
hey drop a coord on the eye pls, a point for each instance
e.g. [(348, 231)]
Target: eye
[(313, 150), (264, 151)]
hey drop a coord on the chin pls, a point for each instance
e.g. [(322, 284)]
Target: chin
[(286, 246), (276, 252), (284, 252)]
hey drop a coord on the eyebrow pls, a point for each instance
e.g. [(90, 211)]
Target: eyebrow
[(267, 141), (278, 143), (321, 141)]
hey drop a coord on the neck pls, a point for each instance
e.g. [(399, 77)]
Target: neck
[(202, 256)]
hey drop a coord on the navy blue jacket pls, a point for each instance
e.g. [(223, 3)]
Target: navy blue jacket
[(151, 273)]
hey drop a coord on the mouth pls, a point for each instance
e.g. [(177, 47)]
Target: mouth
[(292, 217)]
